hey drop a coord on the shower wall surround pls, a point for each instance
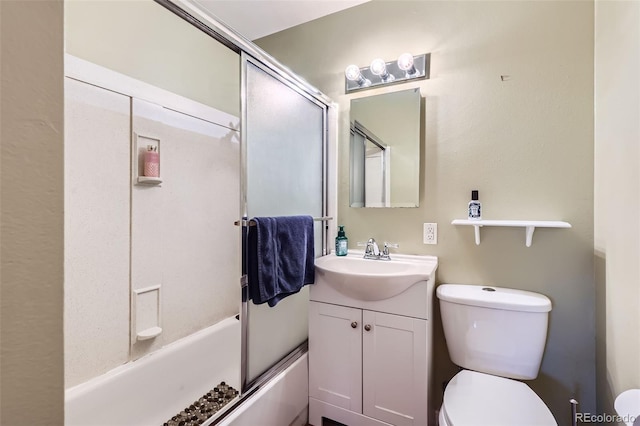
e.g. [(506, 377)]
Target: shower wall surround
[(96, 305), (123, 236), (182, 233)]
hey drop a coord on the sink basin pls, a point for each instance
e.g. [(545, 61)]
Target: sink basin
[(366, 279)]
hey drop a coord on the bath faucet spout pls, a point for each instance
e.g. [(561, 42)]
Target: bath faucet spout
[(372, 251)]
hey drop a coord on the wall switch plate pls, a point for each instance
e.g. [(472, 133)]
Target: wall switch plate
[(430, 233)]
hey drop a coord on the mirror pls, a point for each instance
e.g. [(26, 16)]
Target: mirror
[(385, 150)]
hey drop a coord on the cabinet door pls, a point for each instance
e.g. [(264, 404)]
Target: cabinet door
[(395, 369), (335, 355)]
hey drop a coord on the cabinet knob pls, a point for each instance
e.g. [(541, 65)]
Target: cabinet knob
[(354, 324), (367, 327)]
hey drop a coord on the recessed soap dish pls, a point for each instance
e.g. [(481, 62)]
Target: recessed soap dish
[(149, 333), (146, 318), (145, 180)]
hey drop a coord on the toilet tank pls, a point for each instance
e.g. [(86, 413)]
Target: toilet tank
[(494, 330)]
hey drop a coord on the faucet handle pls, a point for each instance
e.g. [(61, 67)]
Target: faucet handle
[(385, 251)]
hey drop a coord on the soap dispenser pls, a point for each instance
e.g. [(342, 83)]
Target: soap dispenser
[(475, 207), (152, 161), (341, 242)]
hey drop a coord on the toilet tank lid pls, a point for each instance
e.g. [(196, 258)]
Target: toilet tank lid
[(494, 297)]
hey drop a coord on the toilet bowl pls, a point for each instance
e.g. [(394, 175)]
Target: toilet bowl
[(478, 399), (498, 336), (627, 405)]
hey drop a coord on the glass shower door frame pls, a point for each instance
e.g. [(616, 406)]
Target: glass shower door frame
[(250, 386)]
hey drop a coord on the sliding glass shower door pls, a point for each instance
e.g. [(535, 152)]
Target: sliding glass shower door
[(283, 131)]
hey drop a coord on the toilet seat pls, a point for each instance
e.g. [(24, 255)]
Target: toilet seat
[(477, 399)]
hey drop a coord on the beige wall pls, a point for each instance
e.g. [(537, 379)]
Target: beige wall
[(617, 187), (144, 40), (31, 364), (526, 143)]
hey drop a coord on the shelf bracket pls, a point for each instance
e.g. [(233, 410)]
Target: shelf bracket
[(476, 229), (529, 234)]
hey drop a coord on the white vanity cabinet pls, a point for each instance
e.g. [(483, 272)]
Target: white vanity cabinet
[(369, 361)]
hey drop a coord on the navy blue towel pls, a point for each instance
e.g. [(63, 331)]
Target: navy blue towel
[(281, 257)]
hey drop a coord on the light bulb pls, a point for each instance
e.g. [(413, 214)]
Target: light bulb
[(378, 67), (352, 72), (405, 61)]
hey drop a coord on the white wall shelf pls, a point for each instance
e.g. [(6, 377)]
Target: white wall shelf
[(529, 225)]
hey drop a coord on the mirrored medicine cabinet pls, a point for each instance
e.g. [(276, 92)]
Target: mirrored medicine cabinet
[(384, 148)]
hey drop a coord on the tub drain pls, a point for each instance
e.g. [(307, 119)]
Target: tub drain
[(205, 407)]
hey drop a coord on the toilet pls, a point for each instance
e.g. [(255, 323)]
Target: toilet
[(497, 335)]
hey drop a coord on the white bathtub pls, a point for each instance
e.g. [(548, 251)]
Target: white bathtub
[(283, 401), (152, 389)]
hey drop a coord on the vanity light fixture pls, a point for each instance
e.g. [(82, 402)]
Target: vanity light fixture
[(407, 67)]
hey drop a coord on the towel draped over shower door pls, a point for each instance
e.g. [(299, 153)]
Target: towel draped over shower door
[(284, 147)]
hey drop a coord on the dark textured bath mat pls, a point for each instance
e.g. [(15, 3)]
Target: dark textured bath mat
[(205, 407)]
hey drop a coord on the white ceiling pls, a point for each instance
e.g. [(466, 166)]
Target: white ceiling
[(258, 18)]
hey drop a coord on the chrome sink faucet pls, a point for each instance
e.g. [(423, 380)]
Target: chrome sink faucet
[(372, 250)]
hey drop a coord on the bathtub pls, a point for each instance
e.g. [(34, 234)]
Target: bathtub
[(283, 401), (150, 390)]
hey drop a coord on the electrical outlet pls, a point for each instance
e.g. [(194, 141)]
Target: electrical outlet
[(430, 233)]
